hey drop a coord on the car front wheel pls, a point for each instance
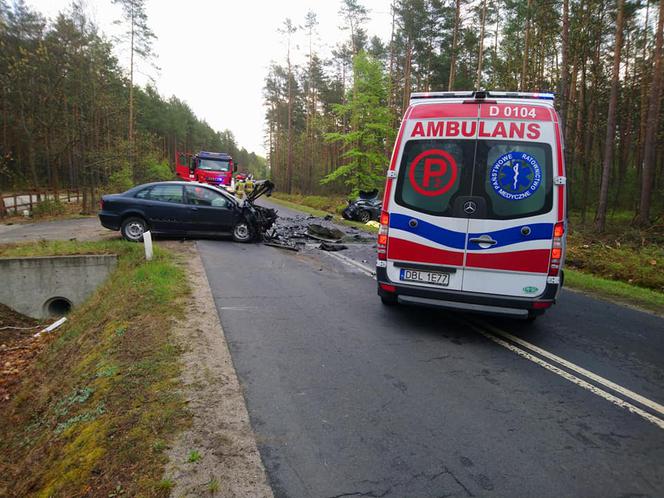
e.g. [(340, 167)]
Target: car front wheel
[(364, 216), (242, 232), (133, 229)]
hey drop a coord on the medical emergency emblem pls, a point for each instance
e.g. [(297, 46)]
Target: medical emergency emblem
[(516, 176), (433, 172)]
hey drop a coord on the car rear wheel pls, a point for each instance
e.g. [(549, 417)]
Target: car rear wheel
[(242, 232), (364, 216), (133, 229)]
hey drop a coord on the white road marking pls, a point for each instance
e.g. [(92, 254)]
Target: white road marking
[(358, 266), (493, 332), (568, 376), (597, 378)]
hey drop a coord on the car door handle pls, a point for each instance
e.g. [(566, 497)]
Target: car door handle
[(194, 208), (485, 239)]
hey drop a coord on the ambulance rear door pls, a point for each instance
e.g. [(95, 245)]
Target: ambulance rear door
[(512, 210), (427, 225)]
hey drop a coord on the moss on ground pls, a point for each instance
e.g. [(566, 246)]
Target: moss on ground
[(92, 412)]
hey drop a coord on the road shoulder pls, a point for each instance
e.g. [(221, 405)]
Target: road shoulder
[(228, 461)]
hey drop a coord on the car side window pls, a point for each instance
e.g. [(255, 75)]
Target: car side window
[(143, 194), (166, 193), (201, 196)]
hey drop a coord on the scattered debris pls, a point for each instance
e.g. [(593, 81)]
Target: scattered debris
[(283, 245), (51, 327), (292, 233), (327, 246), (326, 234)]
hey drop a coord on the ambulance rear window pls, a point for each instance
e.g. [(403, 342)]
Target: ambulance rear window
[(433, 172), (516, 178)]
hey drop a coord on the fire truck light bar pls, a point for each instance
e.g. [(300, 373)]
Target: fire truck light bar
[(479, 95)]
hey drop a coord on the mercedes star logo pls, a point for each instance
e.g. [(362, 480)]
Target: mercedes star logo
[(469, 207)]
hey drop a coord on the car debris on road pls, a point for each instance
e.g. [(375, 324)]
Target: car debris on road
[(292, 233)]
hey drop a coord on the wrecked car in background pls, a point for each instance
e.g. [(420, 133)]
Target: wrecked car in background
[(187, 209), (365, 208)]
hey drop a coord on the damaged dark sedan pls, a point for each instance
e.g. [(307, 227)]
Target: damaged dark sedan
[(366, 207), (187, 209)]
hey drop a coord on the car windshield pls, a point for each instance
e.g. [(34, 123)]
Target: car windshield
[(214, 165)]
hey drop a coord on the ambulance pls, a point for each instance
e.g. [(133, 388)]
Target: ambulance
[(474, 208)]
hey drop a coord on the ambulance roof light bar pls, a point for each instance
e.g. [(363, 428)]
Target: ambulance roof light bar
[(480, 95)]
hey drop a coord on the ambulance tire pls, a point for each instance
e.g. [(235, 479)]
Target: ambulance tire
[(242, 232), (388, 301), (364, 216)]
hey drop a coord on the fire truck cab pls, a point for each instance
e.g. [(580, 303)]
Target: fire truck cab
[(214, 168), (474, 213)]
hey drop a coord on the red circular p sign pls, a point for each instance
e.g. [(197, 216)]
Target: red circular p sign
[(438, 175)]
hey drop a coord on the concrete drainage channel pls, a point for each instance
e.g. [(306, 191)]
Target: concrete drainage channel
[(49, 287)]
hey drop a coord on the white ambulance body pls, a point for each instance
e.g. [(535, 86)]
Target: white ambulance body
[(474, 214)]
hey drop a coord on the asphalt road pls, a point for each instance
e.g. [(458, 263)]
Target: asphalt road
[(351, 398), (75, 228)]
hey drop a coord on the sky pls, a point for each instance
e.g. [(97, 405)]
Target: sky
[(215, 54)]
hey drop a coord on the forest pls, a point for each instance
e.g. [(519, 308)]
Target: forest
[(72, 118), (331, 121)]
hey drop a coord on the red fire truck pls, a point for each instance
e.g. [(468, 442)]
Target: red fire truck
[(214, 168)]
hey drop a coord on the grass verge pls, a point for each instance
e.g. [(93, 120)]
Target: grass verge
[(91, 415), (289, 201), (617, 291)]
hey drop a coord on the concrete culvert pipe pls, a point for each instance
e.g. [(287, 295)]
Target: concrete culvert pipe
[(57, 306)]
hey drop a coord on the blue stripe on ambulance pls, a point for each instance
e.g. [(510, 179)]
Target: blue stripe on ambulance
[(457, 240)]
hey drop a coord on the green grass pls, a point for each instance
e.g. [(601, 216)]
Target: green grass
[(620, 291), (194, 456), (95, 411)]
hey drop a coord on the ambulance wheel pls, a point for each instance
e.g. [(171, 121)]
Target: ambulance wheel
[(388, 301), (133, 229), (364, 216), (242, 232)]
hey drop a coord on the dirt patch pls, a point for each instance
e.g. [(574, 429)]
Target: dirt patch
[(18, 348), (217, 455)]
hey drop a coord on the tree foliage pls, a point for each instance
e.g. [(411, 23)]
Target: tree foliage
[(64, 108), (564, 46)]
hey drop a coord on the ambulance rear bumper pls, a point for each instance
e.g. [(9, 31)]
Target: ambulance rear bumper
[(467, 301)]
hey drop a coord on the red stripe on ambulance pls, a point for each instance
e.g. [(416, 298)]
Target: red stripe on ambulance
[(444, 111), (405, 250), (535, 260)]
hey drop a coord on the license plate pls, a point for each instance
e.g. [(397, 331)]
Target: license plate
[(425, 277)]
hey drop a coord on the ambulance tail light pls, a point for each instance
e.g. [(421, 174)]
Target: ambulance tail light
[(556, 249), (382, 235)]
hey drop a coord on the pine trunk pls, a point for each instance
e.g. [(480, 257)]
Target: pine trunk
[(652, 126), (600, 218)]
